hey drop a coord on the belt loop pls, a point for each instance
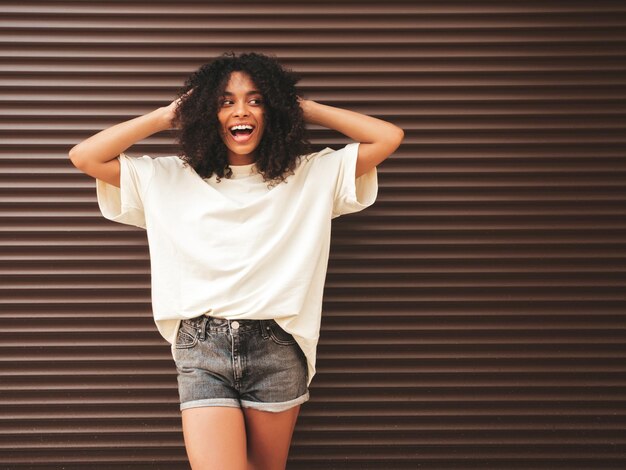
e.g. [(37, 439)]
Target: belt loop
[(264, 327), (203, 327)]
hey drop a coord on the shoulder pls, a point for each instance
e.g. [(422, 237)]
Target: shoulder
[(315, 158), (328, 157), (169, 161), (169, 169), (169, 165), (317, 155), (148, 161)]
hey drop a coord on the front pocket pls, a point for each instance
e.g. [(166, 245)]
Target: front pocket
[(187, 336), (280, 336)]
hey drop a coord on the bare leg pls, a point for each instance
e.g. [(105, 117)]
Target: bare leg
[(215, 438), (269, 437)]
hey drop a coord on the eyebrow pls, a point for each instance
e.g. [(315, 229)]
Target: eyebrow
[(253, 92)]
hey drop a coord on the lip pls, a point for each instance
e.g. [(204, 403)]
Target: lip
[(242, 124), (247, 140)]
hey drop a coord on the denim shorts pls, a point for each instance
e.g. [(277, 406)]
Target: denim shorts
[(239, 363)]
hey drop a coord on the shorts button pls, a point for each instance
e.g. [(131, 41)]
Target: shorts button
[(235, 325)]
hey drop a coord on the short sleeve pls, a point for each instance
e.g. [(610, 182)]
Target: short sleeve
[(352, 194), (126, 203)]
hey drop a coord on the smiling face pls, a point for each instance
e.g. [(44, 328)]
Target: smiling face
[(241, 103)]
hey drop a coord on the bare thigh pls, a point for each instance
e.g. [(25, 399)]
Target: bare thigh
[(215, 438), (269, 437)]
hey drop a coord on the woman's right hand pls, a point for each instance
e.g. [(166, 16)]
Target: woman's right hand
[(170, 110)]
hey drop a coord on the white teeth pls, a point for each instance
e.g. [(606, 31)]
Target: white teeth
[(241, 126)]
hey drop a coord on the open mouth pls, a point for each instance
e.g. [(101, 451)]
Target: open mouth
[(241, 136)]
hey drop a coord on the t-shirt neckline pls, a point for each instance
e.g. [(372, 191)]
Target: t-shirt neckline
[(243, 170)]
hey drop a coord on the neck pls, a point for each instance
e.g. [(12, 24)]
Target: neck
[(241, 159)]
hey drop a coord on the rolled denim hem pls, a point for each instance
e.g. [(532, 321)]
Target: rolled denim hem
[(277, 406), (231, 402)]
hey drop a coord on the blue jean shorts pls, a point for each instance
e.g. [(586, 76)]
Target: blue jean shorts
[(239, 363)]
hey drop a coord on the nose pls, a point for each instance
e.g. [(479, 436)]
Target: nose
[(240, 109)]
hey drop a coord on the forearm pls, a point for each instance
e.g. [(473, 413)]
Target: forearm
[(359, 127), (109, 143)]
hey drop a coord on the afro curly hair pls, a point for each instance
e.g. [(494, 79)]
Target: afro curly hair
[(284, 139)]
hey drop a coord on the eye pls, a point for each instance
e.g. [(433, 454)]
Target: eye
[(223, 102)]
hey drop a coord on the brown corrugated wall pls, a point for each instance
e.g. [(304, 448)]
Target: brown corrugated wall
[(474, 317)]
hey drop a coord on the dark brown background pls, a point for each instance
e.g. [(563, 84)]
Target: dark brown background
[(474, 317)]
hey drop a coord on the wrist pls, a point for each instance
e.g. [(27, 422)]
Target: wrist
[(160, 118), (308, 109)]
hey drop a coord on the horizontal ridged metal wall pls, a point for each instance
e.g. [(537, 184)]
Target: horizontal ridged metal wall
[(474, 316)]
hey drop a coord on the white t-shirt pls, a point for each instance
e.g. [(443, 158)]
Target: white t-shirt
[(236, 249)]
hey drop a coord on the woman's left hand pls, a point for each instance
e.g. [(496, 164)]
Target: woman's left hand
[(304, 106)]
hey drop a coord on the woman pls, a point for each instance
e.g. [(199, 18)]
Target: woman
[(238, 226)]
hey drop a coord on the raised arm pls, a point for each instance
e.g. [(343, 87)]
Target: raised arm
[(378, 138), (97, 155)]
